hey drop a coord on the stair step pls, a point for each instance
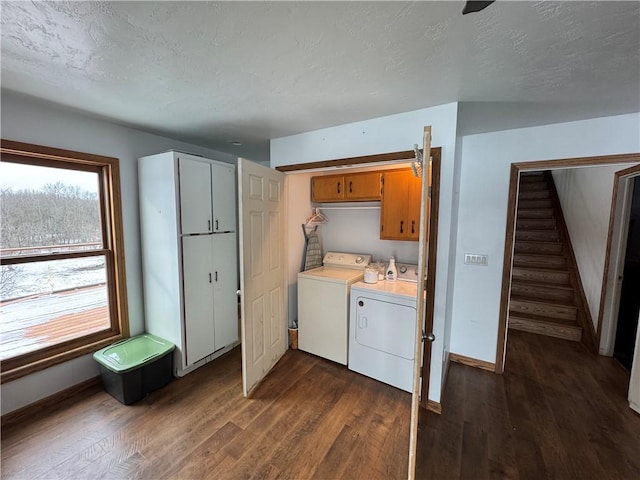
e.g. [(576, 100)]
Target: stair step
[(533, 194), (536, 224), (534, 186), (525, 289), (528, 177), (543, 327), (550, 248), (535, 204), (539, 261), (540, 275), (546, 213), (546, 310), (538, 235)]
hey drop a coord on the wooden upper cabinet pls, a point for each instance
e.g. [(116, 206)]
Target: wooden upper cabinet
[(354, 187), (400, 209), (362, 187), (328, 188)]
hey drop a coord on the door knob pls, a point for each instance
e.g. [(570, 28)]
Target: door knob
[(428, 336)]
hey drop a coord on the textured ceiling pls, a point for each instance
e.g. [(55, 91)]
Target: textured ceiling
[(216, 72)]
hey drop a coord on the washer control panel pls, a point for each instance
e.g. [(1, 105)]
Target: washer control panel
[(346, 260)]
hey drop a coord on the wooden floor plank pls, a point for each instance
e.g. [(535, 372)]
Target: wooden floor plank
[(558, 411)]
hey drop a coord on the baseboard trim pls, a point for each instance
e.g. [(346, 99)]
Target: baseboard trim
[(472, 362), (434, 407), (47, 402)]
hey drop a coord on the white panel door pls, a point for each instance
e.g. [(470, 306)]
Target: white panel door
[(198, 296), (262, 270), (224, 198), (195, 196), (225, 286)]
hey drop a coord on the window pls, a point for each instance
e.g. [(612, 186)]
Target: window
[(62, 284)]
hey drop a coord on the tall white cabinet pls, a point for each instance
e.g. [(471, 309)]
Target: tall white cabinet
[(189, 255)]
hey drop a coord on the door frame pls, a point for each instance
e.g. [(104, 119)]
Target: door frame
[(614, 258), (516, 169)]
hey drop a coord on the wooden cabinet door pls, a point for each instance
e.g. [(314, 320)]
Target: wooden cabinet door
[(225, 286), (223, 183), (329, 188), (363, 186), (197, 264), (393, 215), (195, 196)]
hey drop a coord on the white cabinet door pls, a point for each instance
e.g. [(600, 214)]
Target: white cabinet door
[(195, 196), (225, 286), (197, 261), (224, 198)]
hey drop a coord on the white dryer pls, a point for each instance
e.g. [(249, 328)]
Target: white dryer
[(382, 329)]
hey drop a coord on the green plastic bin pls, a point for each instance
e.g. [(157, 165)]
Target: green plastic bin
[(136, 366)]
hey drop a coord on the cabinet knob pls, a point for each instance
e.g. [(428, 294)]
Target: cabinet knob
[(401, 226), (209, 225), (216, 276), (209, 278), (216, 224), (338, 187), (413, 226), (350, 187)]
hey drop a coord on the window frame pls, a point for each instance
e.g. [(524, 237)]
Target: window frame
[(112, 249)]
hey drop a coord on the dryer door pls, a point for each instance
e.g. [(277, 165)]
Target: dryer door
[(385, 326)]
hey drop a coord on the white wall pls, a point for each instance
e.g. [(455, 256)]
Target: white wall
[(32, 121), (586, 195), (381, 135), (484, 185)]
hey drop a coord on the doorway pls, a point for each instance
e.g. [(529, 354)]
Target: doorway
[(629, 306), (516, 170)]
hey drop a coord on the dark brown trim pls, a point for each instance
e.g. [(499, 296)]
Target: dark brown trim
[(434, 407), (32, 409), (107, 169), (341, 162), (516, 168), (472, 362), (628, 172), (578, 162), (53, 256), (432, 252), (512, 205)]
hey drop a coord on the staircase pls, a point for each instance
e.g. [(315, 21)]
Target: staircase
[(543, 298)]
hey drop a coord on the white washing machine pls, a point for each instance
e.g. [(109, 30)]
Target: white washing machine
[(323, 304), (382, 330)]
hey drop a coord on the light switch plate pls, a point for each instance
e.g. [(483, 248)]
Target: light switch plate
[(476, 259)]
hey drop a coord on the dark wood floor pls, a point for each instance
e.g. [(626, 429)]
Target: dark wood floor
[(557, 412), (310, 418)]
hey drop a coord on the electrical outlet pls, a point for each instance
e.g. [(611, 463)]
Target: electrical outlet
[(476, 259)]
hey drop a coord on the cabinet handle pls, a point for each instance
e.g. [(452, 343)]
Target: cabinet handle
[(401, 226), (216, 276), (216, 224), (209, 278), (208, 225), (350, 185), (338, 187), (413, 226)]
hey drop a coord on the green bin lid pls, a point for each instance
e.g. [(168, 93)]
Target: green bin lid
[(132, 353)]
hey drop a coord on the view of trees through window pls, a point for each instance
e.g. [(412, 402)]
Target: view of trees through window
[(53, 272)]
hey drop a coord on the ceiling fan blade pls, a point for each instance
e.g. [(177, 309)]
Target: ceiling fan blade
[(472, 7)]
